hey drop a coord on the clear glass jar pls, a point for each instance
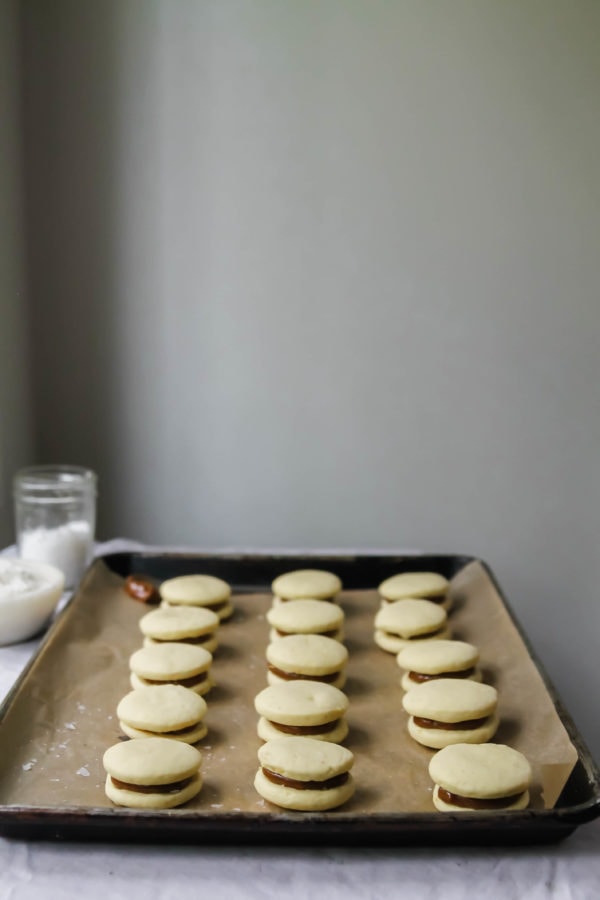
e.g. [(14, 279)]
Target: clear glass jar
[(55, 517)]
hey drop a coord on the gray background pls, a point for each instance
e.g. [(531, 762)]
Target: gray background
[(316, 274)]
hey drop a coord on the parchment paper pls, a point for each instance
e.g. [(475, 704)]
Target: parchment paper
[(62, 718)]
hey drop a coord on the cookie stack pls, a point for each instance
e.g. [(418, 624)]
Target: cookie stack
[(449, 707), (165, 710), (302, 712)]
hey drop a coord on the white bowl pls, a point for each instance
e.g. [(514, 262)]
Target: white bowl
[(29, 592)]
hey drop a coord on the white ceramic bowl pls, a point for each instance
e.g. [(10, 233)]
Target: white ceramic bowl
[(29, 592)]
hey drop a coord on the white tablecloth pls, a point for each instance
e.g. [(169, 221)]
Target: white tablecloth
[(569, 870)]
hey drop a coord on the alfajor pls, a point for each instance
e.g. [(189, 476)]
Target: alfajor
[(427, 660), (172, 663), (308, 657), (451, 711), (317, 584), (205, 591), (399, 624), (152, 773), (416, 585), (472, 777), (186, 624), (165, 710), (303, 774), (302, 708), (306, 617)]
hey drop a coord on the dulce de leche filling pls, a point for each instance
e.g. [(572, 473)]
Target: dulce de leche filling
[(194, 639), (306, 729), (329, 677), (450, 726), (421, 676), (476, 802), (171, 788), (416, 637), (190, 682), (326, 785), (329, 634)]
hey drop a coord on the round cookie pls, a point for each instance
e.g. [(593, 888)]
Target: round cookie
[(316, 584), (306, 617), (174, 663), (168, 710), (198, 590), (303, 774), (305, 708), (416, 585), (186, 624), (170, 767), (308, 657), (427, 660), (399, 624), (451, 711), (480, 776)]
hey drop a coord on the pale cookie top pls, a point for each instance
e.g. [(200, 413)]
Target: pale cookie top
[(307, 654), (409, 618), (195, 589), (317, 584), (486, 771), (301, 703), (161, 707), (153, 760), (305, 759), (172, 622), (413, 584), (306, 616), (170, 660), (433, 657), (450, 700)]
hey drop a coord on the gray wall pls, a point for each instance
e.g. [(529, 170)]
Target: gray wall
[(15, 406), (326, 274)]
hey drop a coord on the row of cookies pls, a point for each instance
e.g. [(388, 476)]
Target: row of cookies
[(164, 712), (302, 712), (450, 709)]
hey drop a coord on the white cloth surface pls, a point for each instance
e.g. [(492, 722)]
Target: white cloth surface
[(569, 870)]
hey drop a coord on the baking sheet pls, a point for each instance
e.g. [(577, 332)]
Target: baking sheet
[(62, 718)]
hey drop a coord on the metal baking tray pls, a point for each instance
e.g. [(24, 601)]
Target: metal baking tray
[(59, 718)]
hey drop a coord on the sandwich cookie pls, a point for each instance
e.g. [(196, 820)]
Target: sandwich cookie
[(187, 624), (152, 773), (198, 590), (427, 660), (451, 711), (310, 657), (480, 776), (399, 624), (172, 663), (306, 617), (304, 774), (166, 710), (304, 708), (416, 585), (316, 584)]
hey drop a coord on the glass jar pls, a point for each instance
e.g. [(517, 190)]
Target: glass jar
[(55, 517)]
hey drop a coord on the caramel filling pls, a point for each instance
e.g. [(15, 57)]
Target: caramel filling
[(329, 634), (450, 726), (196, 639), (476, 802), (190, 682), (172, 788), (326, 785), (305, 729), (329, 678), (416, 637), (421, 676)]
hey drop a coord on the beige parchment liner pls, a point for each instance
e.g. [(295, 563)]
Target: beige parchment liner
[(63, 718)]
